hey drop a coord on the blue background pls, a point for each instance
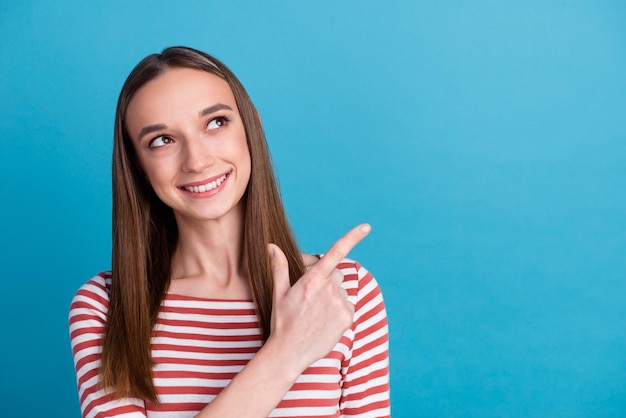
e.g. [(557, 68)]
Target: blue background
[(484, 141)]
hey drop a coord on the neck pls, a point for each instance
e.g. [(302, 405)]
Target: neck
[(208, 260)]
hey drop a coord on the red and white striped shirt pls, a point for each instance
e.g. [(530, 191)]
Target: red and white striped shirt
[(199, 345)]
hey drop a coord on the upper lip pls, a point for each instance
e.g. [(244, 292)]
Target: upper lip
[(205, 181)]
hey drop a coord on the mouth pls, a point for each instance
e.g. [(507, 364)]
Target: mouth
[(207, 186)]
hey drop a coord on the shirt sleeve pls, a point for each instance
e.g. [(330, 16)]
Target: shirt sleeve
[(365, 389), (87, 317)]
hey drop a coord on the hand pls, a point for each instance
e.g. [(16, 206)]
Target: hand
[(309, 318)]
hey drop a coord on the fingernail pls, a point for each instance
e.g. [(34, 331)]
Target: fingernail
[(271, 251), (366, 228)]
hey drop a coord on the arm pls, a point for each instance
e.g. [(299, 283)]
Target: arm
[(87, 318), (365, 391)]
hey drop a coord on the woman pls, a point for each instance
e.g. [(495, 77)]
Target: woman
[(210, 309)]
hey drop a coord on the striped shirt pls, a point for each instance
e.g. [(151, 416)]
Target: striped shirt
[(199, 345)]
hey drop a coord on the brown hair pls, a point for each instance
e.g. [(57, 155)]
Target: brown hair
[(145, 233)]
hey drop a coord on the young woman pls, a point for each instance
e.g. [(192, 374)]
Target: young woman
[(210, 309)]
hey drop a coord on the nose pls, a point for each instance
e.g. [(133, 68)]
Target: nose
[(196, 156)]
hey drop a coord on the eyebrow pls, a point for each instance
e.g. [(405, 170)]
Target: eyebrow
[(215, 108), (149, 129)]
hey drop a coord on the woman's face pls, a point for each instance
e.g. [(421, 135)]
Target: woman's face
[(191, 143)]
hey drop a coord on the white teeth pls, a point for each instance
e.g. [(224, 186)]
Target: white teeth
[(206, 187)]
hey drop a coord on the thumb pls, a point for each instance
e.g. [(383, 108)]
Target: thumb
[(280, 271)]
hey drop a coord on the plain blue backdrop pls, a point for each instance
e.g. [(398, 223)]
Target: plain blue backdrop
[(483, 140)]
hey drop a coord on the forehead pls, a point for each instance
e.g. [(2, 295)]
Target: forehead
[(177, 92)]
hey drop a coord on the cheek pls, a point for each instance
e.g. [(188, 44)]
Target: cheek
[(157, 174), (144, 170), (246, 163), (140, 164), (242, 153), (142, 173)]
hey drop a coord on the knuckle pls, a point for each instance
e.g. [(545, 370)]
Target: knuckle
[(346, 317), (309, 289), (336, 252), (350, 313)]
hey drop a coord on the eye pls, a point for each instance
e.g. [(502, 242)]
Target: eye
[(217, 122), (160, 141)]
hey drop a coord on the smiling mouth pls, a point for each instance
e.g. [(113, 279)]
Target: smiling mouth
[(208, 186)]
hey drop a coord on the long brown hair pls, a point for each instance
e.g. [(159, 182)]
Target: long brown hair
[(145, 233)]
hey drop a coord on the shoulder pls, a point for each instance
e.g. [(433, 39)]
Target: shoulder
[(349, 266), (370, 316), (358, 281), (353, 271), (88, 315), (93, 295)]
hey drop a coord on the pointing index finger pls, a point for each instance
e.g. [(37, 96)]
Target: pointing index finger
[(340, 249)]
